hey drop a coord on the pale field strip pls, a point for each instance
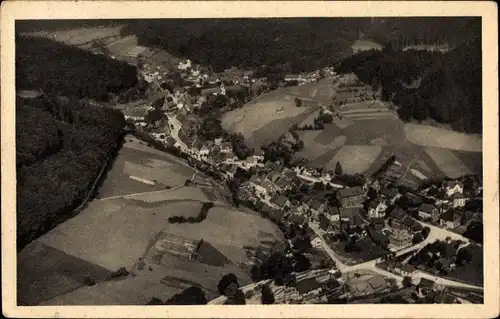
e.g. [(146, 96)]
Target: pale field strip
[(438, 137), (79, 36), (142, 180), (417, 174), (449, 164)]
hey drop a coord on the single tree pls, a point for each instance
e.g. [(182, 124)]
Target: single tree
[(267, 295), (298, 102), (225, 281), (338, 169), (407, 281)]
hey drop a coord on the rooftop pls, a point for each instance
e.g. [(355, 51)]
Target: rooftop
[(279, 200), (351, 192)]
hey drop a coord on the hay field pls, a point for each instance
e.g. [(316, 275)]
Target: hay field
[(137, 160), (448, 162), (116, 232), (260, 112), (355, 158), (439, 137)]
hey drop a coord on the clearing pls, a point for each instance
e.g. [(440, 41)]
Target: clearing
[(439, 137)]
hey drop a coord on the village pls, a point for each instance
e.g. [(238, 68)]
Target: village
[(360, 223)]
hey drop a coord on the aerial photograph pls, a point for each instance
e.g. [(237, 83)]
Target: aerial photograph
[(249, 161)]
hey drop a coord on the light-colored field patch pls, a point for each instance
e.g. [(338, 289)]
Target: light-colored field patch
[(438, 137), (142, 180), (417, 174), (447, 162), (256, 115), (79, 36), (355, 158), (363, 45)]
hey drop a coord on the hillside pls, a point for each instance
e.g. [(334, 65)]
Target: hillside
[(61, 147), (58, 69), (449, 89)]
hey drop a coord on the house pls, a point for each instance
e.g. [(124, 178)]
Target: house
[(226, 147), (259, 155), (376, 208), (390, 194), (409, 223), (346, 214), (276, 214), (333, 214), (425, 286), (397, 215), (458, 199), (204, 150), (452, 187), (378, 283), (426, 211), (218, 141), (317, 206), (292, 77), (280, 201), (450, 219), (317, 243), (297, 219), (353, 196), (256, 183), (378, 223), (405, 269), (308, 286), (282, 184)]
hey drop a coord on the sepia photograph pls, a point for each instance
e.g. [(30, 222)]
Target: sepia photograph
[(245, 160)]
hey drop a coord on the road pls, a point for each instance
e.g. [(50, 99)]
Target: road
[(371, 264)]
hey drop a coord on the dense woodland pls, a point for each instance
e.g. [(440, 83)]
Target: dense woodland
[(62, 146), (443, 87), (58, 69), (279, 45)]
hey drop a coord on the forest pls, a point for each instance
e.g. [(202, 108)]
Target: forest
[(58, 69), (289, 45), (62, 147), (445, 87)]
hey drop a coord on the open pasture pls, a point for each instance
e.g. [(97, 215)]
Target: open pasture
[(135, 163), (439, 137)]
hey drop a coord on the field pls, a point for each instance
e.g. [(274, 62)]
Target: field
[(448, 162), (438, 137), (355, 158), (157, 169)]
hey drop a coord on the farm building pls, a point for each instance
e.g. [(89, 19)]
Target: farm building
[(426, 211), (175, 245)]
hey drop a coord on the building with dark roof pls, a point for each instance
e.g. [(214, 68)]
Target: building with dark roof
[(280, 201), (450, 219), (317, 206), (353, 196), (426, 211)]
